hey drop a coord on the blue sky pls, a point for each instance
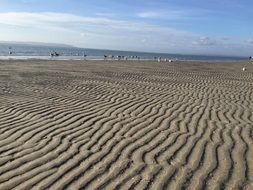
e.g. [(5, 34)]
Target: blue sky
[(216, 27)]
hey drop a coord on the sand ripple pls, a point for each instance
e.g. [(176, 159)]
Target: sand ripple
[(125, 125)]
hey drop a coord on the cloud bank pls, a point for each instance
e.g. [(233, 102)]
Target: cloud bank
[(108, 33)]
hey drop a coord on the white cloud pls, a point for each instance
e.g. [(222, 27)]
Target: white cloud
[(175, 14), (83, 34), (105, 14), (250, 41), (69, 22), (149, 15), (50, 18), (100, 32), (166, 15), (64, 21), (205, 41), (90, 31)]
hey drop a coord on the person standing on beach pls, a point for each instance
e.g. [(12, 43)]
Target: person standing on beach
[(84, 55)]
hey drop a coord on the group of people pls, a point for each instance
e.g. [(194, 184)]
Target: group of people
[(120, 57), (54, 54), (159, 59)]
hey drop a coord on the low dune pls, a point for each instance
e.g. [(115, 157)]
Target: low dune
[(126, 125)]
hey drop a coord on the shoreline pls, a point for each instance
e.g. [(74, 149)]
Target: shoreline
[(94, 58)]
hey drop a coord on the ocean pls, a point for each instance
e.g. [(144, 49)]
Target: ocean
[(25, 51)]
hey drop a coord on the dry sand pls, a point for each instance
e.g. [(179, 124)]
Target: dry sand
[(125, 125)]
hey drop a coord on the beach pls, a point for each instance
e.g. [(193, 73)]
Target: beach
[(126, 125)]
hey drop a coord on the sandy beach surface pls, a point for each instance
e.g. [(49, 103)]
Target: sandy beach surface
[(126, 125)]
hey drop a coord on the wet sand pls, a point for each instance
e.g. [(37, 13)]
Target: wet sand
[(126, 125)]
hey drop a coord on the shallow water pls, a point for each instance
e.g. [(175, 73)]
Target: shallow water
[(19, 51)]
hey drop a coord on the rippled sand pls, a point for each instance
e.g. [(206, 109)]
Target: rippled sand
[(125, 125)]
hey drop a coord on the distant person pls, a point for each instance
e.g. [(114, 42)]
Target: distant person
[(250, 58), (10, 52), (84, 56)]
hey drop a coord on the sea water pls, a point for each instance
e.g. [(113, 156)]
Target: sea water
[(21, 51)]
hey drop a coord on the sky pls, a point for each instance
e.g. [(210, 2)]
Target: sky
[(210, 27)]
